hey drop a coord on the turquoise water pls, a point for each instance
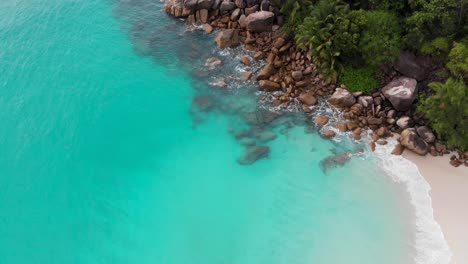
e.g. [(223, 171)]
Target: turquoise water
[(102, 161)]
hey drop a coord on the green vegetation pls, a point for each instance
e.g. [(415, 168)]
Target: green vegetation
[(371, 32), (380, 40), (330, 31), (447, 110), (348, 39), (458, 61), (359, 80)]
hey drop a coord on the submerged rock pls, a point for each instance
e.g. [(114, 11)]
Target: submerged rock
[(261, 117), (266, 136), (202, 102), (339, 159), (247, 142), (254, 153)]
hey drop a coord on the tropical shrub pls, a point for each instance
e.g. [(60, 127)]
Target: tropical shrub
[(384, 5), (431, 19), (329, 31), (380, 40), (296, 12), (437, 46), (359, 80), (458, 61), (447, 110)]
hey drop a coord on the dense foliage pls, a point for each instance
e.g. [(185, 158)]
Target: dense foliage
[(360, 79), (349, 40), (330, 31), (458, 61), (380, 40), (447, 110)]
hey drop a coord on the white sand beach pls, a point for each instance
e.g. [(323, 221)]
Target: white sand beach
[(449, 199)]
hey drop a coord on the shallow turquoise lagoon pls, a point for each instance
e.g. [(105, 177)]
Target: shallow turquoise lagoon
[(103, 158)]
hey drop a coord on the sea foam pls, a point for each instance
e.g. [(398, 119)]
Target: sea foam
[(430, 244)]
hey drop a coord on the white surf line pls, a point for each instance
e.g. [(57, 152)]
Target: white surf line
[(430, 244)]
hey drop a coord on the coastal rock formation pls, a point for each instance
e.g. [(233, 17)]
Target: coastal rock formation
[(356, 133), (202, 102), (220, 82), (227, 6), (407, 65), (297, 75), (227, 38), (269, 86), (342, 98), (213, 62), (261, 21), (410, 140), (366, 101), (293, 79), (307, 99), (246, 76), (329, 133), (266, 136), (398, 150), (246, 61), (341, 126), (175, 8), (240, 3), (321, 120), (205, 4), (426, 134), (190, 4), (404, 122), (254, 153), (208, 28), (401, 92), (339, 159), (266, 72)]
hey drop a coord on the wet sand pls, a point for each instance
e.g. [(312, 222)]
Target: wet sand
[(449, 199)]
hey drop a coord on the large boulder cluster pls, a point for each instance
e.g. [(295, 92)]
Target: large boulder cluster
[(291, 77)]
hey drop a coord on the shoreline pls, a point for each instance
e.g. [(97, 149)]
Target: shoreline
[(449, 195), (436, 188)]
